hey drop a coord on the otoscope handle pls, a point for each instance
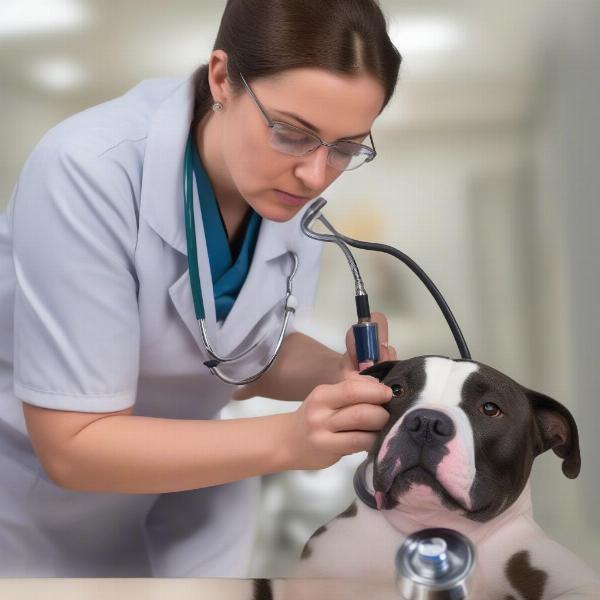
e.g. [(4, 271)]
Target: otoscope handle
[(366, 341), (366, 336)]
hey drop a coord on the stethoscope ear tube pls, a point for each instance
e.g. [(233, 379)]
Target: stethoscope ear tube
[(190, 227)]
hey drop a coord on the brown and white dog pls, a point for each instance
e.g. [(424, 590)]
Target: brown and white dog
[(457, 452)]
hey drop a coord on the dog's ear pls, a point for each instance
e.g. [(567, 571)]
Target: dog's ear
[(558, 431), (380, 369)]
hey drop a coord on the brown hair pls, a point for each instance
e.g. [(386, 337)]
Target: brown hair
[(265, 37)]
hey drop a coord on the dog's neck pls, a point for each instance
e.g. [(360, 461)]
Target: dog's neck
[(408, 518), (422, 510)]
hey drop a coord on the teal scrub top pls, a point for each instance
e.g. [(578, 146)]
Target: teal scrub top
[(228, 272)]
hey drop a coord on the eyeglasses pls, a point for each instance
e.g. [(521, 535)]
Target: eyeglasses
[(288, 139)]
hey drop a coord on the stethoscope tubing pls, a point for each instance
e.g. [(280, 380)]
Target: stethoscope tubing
[(195, 285)]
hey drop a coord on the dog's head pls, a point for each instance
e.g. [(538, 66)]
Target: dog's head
[(464, 435)]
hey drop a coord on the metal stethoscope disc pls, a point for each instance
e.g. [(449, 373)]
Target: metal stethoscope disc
[(435, 564)]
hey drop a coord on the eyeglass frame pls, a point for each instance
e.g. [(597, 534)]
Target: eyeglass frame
[(271, 123)]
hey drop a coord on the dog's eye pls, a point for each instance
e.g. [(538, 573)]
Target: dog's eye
[(489, 409), (398, 390)]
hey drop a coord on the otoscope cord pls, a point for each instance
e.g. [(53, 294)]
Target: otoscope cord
[(418, 271)]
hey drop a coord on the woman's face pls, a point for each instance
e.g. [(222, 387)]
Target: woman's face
[(335, 106)]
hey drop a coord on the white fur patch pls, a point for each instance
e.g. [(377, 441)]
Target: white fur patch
[(445, 380)]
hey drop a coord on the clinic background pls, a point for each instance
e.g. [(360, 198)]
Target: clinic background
[(486, 176)]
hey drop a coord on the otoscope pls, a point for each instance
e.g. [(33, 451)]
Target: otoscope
[(366, 336)]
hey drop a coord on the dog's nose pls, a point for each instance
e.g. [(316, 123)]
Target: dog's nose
[(429, 426)]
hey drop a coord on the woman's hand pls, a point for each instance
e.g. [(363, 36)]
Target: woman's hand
[(349, 366), (336, 420)]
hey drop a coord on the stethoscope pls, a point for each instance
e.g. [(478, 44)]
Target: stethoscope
[(365, 330), (194, 274)]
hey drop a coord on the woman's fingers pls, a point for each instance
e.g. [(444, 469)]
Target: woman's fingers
[(387, 353), (393, 355), (359, 417), (382, 327), (354, 390), (350, 347), (350, 442)]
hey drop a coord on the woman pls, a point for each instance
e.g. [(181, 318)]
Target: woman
[(113, 460)]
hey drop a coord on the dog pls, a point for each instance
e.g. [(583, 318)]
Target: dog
[(457, 452)]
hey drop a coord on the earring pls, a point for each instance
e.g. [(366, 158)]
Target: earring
[(217, 106)]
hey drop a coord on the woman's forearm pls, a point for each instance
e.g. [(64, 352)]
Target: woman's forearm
[(146, 455), (302, 364)]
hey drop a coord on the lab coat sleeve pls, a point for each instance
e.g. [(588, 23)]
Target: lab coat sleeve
[(76, 341)]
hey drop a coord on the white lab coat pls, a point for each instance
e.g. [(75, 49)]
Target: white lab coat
[(96, 314)]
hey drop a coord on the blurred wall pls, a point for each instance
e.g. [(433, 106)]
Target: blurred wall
[(572, 179), (485, 176)]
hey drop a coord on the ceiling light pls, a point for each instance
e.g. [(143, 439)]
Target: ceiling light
[(20, 17), (422, 35)]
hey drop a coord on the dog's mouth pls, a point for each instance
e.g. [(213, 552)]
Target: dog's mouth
[(399, 488)]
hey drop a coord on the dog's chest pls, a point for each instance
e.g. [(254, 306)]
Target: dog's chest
[(359, 543), (362, 544)]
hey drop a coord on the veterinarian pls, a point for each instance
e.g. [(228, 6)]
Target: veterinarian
[(114, 461)]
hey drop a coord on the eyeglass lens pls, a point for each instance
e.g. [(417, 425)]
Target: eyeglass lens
[(344, 156)]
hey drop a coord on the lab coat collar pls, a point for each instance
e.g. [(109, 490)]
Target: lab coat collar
[(162, 209)]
